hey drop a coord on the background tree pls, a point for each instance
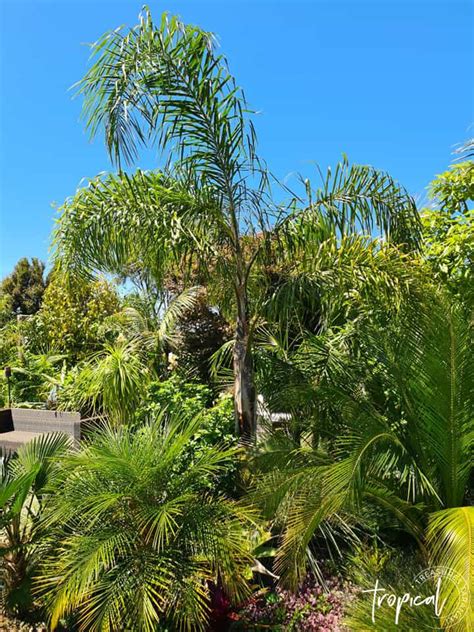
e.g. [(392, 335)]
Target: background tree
[(448, 227), (165, 85), (41, 348), (21, 292), (72, 314)]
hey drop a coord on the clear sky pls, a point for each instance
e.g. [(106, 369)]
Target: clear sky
[(389, 82)]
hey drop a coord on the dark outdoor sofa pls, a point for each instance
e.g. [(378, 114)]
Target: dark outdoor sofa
[(20, 425)]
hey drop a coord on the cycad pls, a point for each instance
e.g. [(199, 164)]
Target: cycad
[(138, 540), (412, 459)]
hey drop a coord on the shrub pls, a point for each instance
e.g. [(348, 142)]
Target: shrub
[(307, 609), (191, 399)]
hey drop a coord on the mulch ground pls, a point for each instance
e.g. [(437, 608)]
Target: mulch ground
[(10, 625)]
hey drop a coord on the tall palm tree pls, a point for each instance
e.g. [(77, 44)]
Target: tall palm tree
[(139, 539), (403, 439), (210, 208)]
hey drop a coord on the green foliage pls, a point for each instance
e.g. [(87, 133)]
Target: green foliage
[(21, 292), (376, 559), (72, 314), (448, 228), (36, 379), (395, 571), (329, 303), (138, 537), (454, 188), (450, 246), (176, 394), (39, 347), (111, 382), (209, 211), (36, 370), (410, 461), (6, 309), (23, 496), (450, 536), (192, 399)]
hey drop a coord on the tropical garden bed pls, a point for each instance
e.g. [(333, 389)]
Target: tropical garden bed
[(281, 382)]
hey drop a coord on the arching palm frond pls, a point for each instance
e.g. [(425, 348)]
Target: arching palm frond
[(466, 149), (353, 200), (123, 224), (450, 538), (158, 330), (340, 277), (175, 310), (165, 82), (40, 455), (431, 362)]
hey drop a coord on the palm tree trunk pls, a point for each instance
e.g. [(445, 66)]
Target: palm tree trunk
[(244, 386)]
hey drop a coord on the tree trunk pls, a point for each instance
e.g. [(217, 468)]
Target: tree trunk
[(244, 386), (17, 598)]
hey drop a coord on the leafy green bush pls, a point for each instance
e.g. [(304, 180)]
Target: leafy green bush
[(191, 399), (71, 315), (34, 380)]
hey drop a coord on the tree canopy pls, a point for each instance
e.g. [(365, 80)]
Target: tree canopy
[(22, 291)]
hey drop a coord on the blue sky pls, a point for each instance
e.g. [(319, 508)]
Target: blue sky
[(389, 82)]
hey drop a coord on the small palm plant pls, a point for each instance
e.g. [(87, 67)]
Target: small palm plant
[(140, 541), (24, 478)]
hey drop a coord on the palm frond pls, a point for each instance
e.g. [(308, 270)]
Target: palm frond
[(179, 305), (121, 224), (165, 82), (353, 199), (450, 538)]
